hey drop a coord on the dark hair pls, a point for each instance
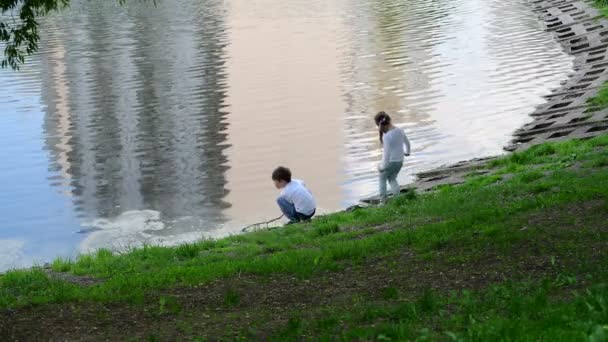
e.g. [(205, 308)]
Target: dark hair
[(281, 174), (382, 119)]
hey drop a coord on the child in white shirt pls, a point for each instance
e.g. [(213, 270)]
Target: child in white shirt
[(396, 145), (295, 201)]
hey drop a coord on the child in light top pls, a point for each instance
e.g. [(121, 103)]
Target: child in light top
[(396, 145), (295, 201)]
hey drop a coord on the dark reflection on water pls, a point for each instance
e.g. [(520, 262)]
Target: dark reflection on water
[(139, 123), (145, 124)]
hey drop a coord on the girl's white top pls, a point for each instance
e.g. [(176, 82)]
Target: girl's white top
[(396, 145)]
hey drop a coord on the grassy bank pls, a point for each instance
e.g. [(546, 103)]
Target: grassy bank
[(517, 253), (601, 99), (602, 5)]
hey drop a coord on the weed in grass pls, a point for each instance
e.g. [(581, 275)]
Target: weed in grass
[(371, 313), (187, 251), (393, 332), (600, 100), (541, 187), (599, 333), (564, 279), (167, 305), (428, 302), (327, 323), (270, 249), (326, 228), (294, 324), (568, 160), (404, 198), (17, 286), (291, 331), (232, 298), (389, 293), (599, 141), (61, 265), (185, 327), (597, 161), (530, 176), (533, 155), (484, 180)]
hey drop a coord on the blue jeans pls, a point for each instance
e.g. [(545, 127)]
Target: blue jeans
[(390, 174), (289, 210)]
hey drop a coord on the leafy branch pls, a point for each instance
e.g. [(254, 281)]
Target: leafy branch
[(19, 27), (19, 35)]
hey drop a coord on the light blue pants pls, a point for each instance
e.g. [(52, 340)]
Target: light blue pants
[(289, 210), (389, 174)]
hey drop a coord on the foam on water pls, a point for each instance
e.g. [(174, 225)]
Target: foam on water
[(12, 255), (131, 229)]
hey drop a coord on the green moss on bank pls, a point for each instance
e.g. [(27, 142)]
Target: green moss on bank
[(602, 5), (600, 101)]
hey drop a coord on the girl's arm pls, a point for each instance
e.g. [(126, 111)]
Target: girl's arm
[(407, 144)]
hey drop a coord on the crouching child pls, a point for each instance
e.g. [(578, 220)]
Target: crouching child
[(295, 200)]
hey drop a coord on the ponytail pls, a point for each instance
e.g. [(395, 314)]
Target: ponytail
[(382, 119)]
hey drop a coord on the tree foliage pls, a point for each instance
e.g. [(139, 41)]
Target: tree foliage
[(19, 27)]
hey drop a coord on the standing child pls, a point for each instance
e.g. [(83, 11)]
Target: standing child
[(295, 201), (393, 140)]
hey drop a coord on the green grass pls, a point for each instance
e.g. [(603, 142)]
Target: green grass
[(600, 101), (602, 5), (511, 312), (452, 226)]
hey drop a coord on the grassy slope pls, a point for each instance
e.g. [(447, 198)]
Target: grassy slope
[(516, 254)]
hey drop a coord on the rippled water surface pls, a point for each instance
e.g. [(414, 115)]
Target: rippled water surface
[(145, 124)]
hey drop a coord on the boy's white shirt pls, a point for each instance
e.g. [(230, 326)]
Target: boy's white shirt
[(297, 193)]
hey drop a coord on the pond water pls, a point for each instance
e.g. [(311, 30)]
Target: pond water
[(161, 124)]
